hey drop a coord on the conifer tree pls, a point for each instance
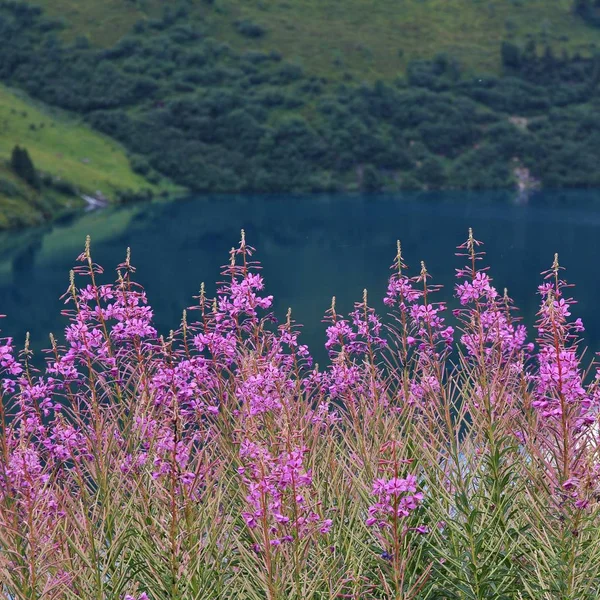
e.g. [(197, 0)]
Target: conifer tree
[(22, 165)]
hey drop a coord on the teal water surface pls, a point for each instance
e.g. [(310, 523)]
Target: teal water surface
[(311, 248)]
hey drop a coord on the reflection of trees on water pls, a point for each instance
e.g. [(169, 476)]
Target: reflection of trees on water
[(23, 262), (16, 244), (310, 248)]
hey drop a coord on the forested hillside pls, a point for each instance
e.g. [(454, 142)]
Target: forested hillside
[(232, 95)]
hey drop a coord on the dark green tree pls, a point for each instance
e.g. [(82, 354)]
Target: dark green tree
[(511, 55), (22, 165), (432, 173), (581, 7), (588, 10), (371, 180)]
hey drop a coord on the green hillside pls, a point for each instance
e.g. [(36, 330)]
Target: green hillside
[(67, 150), (65, 147), (368, 38), (281, 96)]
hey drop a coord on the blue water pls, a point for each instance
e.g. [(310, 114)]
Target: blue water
[(311, 248)]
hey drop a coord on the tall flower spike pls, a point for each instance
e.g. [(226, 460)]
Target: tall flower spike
[(490, 334), (399, 264), (567, 408)]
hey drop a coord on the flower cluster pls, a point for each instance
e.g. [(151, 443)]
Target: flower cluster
[(490, 332), (559, 377), (396, 498), (223, 435), (280, 495)]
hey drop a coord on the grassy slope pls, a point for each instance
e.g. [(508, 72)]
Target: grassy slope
[(363, 37), (64, 147)]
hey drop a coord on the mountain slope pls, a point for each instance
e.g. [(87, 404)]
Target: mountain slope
[(191, 95), (369, 39)]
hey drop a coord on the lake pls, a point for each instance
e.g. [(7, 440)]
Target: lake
[(311, 248)]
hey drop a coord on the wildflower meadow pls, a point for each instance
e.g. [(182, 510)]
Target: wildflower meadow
[(441, 454)]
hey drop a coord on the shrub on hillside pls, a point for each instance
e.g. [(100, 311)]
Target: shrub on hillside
[(250, 28), (511, 55), (129, 196), (64, 187), (431, 173), (139, 164), (371, 180)]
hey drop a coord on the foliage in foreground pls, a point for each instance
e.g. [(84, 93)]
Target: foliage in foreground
[(425, 461)]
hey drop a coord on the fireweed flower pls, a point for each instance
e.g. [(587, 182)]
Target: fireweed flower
[(240, 298), (493, 342), (172, 456), (435, 336), (7, 360), (357, 337), (421, 337), (237, 305), (566, 407), (133, 316), (392, 515), (263, 390), (396, 497), (190, 384), (368, 329), (354, 374), (220, 345), (120, 410), (559, 384), (489, 333), (325, 415), (280, 495)]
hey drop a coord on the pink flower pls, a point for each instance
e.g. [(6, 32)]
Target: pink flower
[(396, 498), (326, 526)]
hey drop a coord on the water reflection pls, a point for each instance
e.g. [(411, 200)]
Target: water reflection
[(311, 248)]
